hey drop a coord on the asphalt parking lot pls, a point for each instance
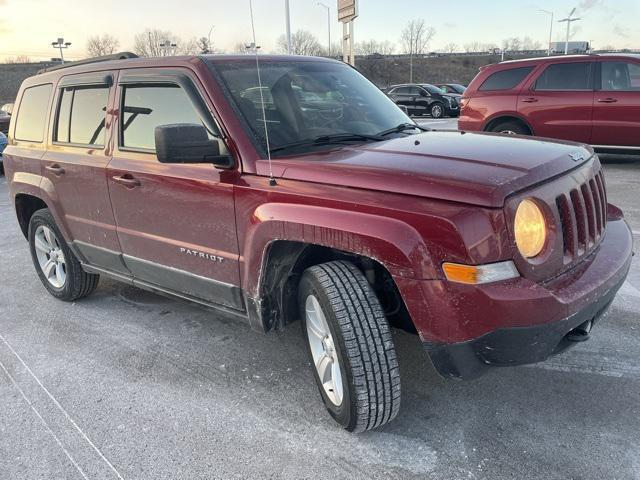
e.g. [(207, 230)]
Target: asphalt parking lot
[(129, 385)]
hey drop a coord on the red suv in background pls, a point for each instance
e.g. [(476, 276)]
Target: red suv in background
[(592, 99)]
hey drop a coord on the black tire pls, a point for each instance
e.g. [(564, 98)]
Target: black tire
[(437, 110), (78, 283), (1, 168), (510, 127), (363, 344)]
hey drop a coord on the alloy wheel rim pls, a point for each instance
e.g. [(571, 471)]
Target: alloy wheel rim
[(323, 351), (508, 132), (50, 256), (436, 112)]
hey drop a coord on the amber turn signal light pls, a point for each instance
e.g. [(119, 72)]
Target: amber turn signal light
[(479, 274)]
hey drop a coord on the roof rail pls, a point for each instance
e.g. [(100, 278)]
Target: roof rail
[(104, 58)]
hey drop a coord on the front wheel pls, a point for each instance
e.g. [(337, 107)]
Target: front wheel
[(437, 110), (350, 346)]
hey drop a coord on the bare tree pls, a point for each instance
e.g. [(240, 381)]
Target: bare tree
[(370, 47), (450, 48), (416, 37), (98, 45), (147, 43), (474, 46), (18, 59), (302, 43), (187, 47), (530, 44), (512, 44)]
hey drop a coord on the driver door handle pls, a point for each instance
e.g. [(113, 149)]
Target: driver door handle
[(127, 180), (529, 100), (56, 169), (607, 100)]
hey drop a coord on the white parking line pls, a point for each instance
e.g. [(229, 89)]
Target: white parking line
[(46, 425), (68, 417)]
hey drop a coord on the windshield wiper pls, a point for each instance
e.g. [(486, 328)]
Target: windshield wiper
[(401, 128), (328, 140)]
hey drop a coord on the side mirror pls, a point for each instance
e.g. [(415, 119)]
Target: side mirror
[(188, 143)]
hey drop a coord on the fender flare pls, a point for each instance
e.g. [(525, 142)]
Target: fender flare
[(496, 116), (394, 244), (25, 183)]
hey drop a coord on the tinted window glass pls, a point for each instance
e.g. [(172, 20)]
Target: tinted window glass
[(311, 99), (146, 107), (620, 76), (33, 113), (81, 116), (433, 90), (414, 91), (64, 112), (506, 79), (402, 91), (88, 115), (565, 76)]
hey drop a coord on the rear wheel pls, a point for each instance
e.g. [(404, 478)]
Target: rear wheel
[(510, 127), (350, 346), (58, 268)]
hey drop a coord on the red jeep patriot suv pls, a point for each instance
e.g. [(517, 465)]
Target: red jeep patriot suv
[(306, 193), (592, 99)]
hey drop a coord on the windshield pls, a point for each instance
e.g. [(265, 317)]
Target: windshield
[(458, 88), (306, 100)]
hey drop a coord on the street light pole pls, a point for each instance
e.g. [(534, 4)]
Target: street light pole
[(550, 31), (328, 25), (60, 44), (569, 19), (288, 22)]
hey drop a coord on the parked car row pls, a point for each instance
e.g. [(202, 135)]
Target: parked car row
[(592, 99)]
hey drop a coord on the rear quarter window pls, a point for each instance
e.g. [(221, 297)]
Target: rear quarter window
[(505, 79), (32, 113)]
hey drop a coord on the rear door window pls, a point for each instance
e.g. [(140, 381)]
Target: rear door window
[(81, 116), (505, 79), (32, 113), (620, 76), (566, 76), (401, 91)]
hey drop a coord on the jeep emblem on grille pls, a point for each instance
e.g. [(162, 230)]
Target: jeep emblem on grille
[(576, 157)]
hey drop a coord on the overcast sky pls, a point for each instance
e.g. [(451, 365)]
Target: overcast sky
[(27, 27)]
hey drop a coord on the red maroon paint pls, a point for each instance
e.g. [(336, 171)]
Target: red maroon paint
[(408, 204)]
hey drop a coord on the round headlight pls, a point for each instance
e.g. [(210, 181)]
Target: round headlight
[(530, 229)]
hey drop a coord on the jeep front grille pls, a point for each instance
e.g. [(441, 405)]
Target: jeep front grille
[(583, 217)]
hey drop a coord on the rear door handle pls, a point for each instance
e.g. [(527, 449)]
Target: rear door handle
[(127, 180), (56, 169), (529, 100), (607, 100)]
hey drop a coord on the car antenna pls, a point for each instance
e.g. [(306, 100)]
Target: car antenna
[(254, 45)]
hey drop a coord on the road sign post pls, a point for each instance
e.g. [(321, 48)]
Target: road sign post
[(347, 12)]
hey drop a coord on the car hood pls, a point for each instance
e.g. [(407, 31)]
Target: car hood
[(474, 168)]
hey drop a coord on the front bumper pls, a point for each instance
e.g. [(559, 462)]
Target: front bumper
[(468, 329)]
